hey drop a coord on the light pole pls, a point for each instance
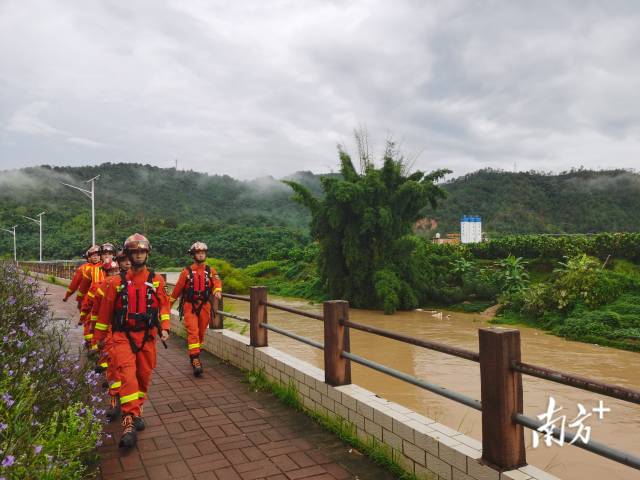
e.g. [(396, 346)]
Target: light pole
[(39, 222), (91, 195), (13, 231)]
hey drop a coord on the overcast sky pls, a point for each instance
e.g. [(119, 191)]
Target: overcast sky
[(253, 88)]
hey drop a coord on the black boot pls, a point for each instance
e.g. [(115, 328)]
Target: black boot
[(114, 410), (138, 422), (129, 436), (197, 366)]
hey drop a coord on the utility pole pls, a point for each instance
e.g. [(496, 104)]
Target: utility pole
[(39, 222), (13, 231), (91, 195)]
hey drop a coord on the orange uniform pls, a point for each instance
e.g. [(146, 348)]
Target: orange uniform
[(133, 310), (75, 283), (196, 285), (107, 357)]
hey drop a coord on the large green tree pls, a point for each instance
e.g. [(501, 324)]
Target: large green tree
[(363, 226)]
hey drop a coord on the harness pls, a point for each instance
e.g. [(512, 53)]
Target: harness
[(126, 321), (198, 296)]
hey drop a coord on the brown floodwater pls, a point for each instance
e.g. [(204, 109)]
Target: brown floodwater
[(619, 428)]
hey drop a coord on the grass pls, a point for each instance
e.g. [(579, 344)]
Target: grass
[(378, 452)]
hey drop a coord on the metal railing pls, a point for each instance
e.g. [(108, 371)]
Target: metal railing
[(501, 371)]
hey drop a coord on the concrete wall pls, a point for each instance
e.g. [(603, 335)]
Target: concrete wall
[(424, 446)]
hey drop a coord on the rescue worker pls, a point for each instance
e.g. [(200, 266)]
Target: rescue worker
[(77, 277), (136, 307), (94, 276), (195, 287)]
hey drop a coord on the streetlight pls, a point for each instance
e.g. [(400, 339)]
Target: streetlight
[(91, 195), (39, 222), (15, 255)]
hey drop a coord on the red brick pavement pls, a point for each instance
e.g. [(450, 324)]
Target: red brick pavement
[(215, 427)]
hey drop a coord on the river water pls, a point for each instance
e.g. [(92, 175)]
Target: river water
[(619, 428)]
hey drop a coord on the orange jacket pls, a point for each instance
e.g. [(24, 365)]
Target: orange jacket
[(87, 302), (92, 273), (215, 284), (109, 301), (75, 281)]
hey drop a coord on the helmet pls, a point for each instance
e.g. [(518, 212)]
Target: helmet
[(198, 247), (107, 248), (112, 265), (136, 242), (120, 255), (93, 249)]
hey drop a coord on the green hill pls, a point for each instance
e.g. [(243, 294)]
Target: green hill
[(248, 221), (579, 201)]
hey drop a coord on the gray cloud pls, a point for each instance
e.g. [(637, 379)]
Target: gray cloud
[(252, 89)]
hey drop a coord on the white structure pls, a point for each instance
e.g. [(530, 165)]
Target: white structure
[(470, 229), (39, 222)]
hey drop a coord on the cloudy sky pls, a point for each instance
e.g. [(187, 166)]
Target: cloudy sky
[(253, 88)]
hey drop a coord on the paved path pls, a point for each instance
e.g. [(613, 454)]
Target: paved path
[(215, 427)]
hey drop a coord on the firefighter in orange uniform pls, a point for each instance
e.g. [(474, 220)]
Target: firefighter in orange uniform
[(94, 275), (93, 255), (77, 277), (107, 358), (196, 286), (136, 307)]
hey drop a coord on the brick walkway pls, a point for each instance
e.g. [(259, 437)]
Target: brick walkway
[(215, 427)]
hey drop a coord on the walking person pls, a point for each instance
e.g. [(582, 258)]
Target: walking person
[(136, 308), (196, 286)]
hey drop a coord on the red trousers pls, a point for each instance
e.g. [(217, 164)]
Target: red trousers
[(134, 369), (86, 326), (196, 325)]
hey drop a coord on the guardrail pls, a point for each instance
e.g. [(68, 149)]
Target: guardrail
[(501, 370), (57, 268)]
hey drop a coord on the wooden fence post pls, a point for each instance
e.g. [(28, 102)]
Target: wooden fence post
[(258, 315), (337, 369), (216, 321), (501, 395)]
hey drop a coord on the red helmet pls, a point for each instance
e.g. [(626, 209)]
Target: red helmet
[(112, 265), (93, 249), (198, 247), (120, 255), (136, 242), (107, 248)]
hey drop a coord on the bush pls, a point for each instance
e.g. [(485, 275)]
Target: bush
[(49, 425)]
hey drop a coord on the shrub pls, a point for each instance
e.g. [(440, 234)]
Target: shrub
[(49, 425)]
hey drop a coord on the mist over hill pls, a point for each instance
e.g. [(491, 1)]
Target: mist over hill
[(247, 221)]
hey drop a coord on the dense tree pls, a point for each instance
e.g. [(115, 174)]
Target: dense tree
[(363, 226)]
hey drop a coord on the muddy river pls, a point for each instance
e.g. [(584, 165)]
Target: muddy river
[(618, 428)]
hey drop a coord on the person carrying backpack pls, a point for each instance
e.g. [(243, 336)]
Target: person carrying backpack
[(136, 307), (197, 285)]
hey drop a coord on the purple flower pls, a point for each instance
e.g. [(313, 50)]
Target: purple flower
[(36, 408), (37, 449), (23, 360), (3, 426), (10, 372), (8, 461), (11, 301), (8, 400)]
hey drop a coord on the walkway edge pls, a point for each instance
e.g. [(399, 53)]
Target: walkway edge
[(423, 446)]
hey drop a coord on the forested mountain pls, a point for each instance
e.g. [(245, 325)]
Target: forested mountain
[(579, 201), (247, 221)]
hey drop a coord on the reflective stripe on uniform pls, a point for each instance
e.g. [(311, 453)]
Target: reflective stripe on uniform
[(100, 292), (217, 290), (94, 318), (82, 314), (165, 316), (88, 336), (193, 345), (104, 364), (101, 326), (141, 394), (94, 347), (130, 398), (80, 294), (91, 295), (156, 284), (115, 385)]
